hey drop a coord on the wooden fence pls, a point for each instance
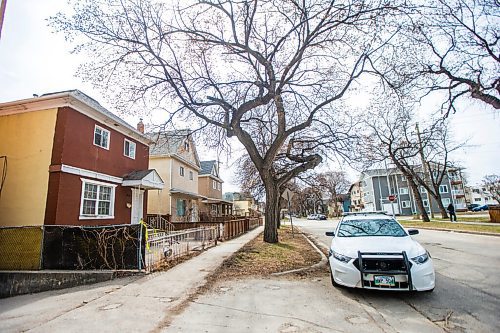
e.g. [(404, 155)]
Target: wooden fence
[(226, 229)]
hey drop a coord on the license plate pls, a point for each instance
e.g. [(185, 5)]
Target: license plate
[(381, 280)]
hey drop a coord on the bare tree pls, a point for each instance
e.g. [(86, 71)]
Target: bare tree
[(391, 136), (435, 147), (492, 185), (266, 72), (334, 183), (458, 51)]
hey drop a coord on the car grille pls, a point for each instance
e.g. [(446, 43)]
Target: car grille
[(379, 265), (399, 285)]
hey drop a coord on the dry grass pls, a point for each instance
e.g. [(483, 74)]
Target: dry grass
[(453, 226), (259, 258)]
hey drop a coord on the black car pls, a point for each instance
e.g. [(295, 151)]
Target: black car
[(320, 217)]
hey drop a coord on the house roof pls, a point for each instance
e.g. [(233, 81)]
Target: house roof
[(207, 167), (78, 101), (145, 179), (167, 142)]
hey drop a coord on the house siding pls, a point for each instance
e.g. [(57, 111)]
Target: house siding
[(26, 139), (159, 201), (206, 188), (74, 146)]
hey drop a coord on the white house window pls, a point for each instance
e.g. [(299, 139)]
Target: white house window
[(129, 149), (405, 204), (191, 175), (101, 137), (422, 189), (214, 184), (443, 189), (446, 201), (186, 145), (426, 203), (181, 171), (219, 186), (403, 190), (403, 178), (477, 199), (97, 200)]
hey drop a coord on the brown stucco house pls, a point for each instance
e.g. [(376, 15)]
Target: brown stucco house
[(173, 154), (69, 161), (210, 188)]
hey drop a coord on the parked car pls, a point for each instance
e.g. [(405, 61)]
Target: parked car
[(374, 251), (480, 208), (311, 217), (472, 206), (320, 217)]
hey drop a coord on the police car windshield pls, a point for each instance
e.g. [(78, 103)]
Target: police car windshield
[(366, 227)]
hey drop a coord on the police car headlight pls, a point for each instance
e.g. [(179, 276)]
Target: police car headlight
[(421, 259), (340, 257)]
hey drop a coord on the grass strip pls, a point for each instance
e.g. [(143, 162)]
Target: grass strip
[(453, 226)]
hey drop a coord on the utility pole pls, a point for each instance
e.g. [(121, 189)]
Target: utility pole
[(424, 166)]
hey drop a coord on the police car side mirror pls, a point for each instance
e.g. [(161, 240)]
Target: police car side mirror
[(413, 232), (330, 233)]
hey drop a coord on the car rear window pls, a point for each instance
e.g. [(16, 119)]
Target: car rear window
[(366, 227)]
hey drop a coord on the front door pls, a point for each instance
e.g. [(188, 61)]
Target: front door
[(137, 205)]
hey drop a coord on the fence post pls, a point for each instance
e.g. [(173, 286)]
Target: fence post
[(40, 265), (139, 255)]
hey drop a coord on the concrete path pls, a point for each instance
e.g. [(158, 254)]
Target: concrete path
[(134, 304)]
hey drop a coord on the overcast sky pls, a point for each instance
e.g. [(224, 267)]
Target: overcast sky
[(33, 60)]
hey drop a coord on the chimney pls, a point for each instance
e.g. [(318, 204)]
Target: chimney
[(140, 126)]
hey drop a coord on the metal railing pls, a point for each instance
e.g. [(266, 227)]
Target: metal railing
[(159, 223), (161, 250)]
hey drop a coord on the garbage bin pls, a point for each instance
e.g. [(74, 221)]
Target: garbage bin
[(494, 213)]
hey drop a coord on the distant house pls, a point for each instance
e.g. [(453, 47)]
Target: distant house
[(173, 154), (357, 203), (479, 195), (69, 161), (243, 204), (210, 188)]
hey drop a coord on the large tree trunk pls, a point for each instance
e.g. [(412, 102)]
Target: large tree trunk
[(418, 197), (272, 214), (436, 195)]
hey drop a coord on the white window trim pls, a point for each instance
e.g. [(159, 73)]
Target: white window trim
[(403, 190), (214, 184), (425, 202), (443, 186), (181, 171), (445, 201), (403, 178), (91, 174), (191, 175), (129, 144), (111, 206), (405, 204), (104, 130)]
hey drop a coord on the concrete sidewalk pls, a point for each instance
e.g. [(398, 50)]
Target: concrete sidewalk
[(133, 304)]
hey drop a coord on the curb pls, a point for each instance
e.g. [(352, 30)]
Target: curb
[(458, 231), (322, 262)]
